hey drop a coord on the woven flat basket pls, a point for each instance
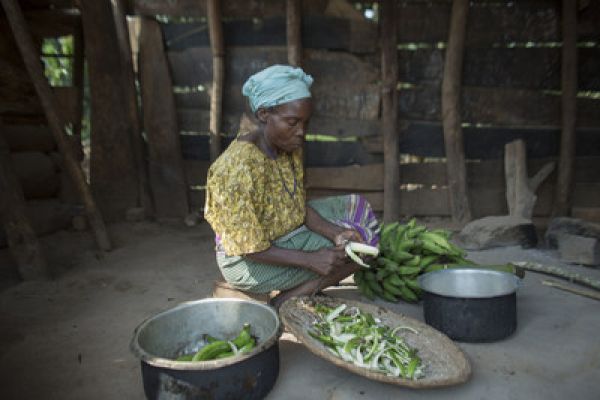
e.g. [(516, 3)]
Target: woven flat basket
[(445, 364)]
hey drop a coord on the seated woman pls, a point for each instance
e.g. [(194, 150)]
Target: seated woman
[(268, 237)]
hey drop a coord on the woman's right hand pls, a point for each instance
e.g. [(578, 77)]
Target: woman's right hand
[(324, 260)]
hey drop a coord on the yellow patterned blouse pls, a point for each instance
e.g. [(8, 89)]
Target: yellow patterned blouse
[(247, 204)]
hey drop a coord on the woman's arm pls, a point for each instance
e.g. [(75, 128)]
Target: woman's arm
[(336, 234), (321, 261)]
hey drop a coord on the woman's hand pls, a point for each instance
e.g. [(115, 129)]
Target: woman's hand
[(324, 260), (348, 235)]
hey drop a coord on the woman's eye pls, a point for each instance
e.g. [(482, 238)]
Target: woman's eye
[(293, 122)]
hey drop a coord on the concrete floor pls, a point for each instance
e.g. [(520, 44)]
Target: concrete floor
[(68, 338)]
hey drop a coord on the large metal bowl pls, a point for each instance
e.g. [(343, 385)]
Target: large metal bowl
[(163, 337), (471, 305)]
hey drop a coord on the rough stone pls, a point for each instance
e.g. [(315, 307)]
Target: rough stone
[(579, 249), (572, 226), (497, 231)]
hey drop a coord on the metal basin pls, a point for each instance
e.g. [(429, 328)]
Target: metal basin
[(471, 305), (163, 337)]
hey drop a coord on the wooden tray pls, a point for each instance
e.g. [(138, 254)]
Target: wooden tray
[(445, 363)]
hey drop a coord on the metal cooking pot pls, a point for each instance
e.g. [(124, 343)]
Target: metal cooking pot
[(163, 337), (471, 305)]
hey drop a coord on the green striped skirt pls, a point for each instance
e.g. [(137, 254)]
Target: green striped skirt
[(351, 211)]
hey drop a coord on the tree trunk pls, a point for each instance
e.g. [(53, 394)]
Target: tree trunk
[(389, 112), (451, 118), (218, 56), (564, 181), (294, 33)]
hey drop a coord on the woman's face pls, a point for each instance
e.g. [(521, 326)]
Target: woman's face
[(285, 125)]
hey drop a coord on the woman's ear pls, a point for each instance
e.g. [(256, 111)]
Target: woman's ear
[(262, 115)]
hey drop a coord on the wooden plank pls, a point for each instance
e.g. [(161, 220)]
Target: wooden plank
[(24, 245), (36, 173), (479, 174), (353, 178), (113, 174), (29, 137), (197, 120), (330, 99), (67, 98), (319, 154), (425, 139), (485, 200), (231, 9), (497, 106), (318, 32), (524, 68), (165, 163), (215, 27), (46, 216), (493, 22), (43, 90), (193, 66), (195, 172)]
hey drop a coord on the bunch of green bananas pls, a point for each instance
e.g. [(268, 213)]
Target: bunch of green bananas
[(405, 251), (216, 349)]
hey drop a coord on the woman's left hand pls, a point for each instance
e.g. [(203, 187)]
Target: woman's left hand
[(348, 235)]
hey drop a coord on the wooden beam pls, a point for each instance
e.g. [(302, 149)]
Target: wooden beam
[(32, 63), (113, 175), (564, 181), (294, 32), (217, 47), (165, 162), (389, 111), (131, 103), (451, 117), (21, 238)]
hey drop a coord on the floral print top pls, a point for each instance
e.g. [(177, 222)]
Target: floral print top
[(249, 200)]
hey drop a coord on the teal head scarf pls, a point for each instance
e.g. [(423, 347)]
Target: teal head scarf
[(276, 85)]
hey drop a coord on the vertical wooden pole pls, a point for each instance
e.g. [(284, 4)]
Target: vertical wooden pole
[(451, 118), (564, 181), (22, 240), (389, 112), (130, 94), (218, 55), (294, 32), (34, 68)]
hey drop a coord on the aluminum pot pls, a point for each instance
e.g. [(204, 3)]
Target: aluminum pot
[(180, 330), (471, 305)]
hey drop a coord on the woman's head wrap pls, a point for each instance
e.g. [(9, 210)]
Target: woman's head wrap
[(276, 85)]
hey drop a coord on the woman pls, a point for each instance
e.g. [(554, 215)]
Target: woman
[(268, 238)]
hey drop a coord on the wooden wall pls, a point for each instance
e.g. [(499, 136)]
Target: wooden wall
[(511, 90), (50, 196)]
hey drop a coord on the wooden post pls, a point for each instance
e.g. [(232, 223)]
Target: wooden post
[(564, 181), (165, 160), (389, 112), (451, 118), (34, 68), (130, 94), (218, 55), (294, 32), (22, 240)]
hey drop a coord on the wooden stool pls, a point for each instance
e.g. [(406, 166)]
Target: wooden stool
[(223, 289)]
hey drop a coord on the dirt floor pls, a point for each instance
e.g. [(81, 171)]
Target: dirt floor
[(69, 338)]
